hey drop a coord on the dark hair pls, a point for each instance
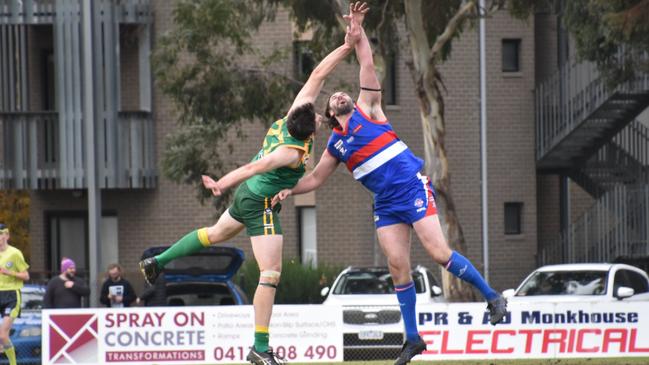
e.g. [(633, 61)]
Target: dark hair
[(301, 122), (332, 122)]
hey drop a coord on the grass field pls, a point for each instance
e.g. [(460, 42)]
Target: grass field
[(609, 361)]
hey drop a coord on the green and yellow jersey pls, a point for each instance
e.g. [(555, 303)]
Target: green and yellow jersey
[(12, 259), (270, 183)]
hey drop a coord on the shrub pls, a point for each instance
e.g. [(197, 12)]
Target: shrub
[(299, 284)]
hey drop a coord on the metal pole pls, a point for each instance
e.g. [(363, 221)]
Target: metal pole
[(94, 193), (483, 145)]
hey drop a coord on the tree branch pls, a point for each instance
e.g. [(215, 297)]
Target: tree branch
[(451, 28)]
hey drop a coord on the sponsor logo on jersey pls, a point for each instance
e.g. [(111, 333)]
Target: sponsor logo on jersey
[(339, 146)]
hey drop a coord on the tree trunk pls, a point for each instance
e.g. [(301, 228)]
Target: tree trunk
[(434, 132), (429, 88)]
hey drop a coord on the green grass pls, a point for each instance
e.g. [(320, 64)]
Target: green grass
[(601, 361)]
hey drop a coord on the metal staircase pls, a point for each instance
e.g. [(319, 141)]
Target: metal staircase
[(588, 132), (577, 114), (623, 160)]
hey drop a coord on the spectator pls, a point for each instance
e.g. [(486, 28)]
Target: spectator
[(116, 291), (155, 295), (66, 289)]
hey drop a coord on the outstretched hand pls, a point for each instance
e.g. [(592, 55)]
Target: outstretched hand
[(357, 11), (283, 194), (354, 21), (210, 184)]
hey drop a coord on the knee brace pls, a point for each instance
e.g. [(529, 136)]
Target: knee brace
[(269, 278)]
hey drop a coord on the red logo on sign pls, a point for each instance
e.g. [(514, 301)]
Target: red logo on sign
[(73, 338)]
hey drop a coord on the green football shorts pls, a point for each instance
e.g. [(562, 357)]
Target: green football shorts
[(255, 212)]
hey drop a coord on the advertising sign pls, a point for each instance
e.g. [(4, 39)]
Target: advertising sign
[(560, 330), (187, 335), (314, 333)]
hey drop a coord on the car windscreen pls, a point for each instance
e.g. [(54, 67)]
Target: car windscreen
[(192, 294), (373, 282), (565, 283)]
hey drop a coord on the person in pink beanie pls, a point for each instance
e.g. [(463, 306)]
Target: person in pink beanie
[(66, 289)]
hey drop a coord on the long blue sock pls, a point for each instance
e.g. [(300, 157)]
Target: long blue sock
[(461, 267), (407, 300)]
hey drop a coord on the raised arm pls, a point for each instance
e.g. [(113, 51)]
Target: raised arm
[(369, 98), (325, 167), (314, 84), (282, 156)]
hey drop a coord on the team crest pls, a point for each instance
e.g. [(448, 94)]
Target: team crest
[(419, 203), (9, 265)]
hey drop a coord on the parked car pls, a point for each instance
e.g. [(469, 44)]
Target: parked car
[(582, 282), (204, 278), (25, 333), (372, 324)]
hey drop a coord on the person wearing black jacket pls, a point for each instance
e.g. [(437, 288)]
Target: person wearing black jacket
[(155, 295), (66, 289), (116, 291)]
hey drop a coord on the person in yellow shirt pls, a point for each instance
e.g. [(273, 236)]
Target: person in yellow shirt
[(13, 274)]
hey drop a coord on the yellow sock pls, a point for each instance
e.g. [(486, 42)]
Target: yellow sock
[(11, 354)]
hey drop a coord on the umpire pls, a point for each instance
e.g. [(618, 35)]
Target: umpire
[(13, 274)]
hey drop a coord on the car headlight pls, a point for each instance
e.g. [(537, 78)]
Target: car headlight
[(30, 332)]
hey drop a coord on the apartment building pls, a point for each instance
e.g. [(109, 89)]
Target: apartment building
[(530, 200)]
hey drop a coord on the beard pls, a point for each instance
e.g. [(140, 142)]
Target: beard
[(343, 110), (70, 276)]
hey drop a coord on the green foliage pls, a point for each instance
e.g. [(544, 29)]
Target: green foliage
[(299, 284), (217, 80), (14, 213), (604, 29), (382, 22)]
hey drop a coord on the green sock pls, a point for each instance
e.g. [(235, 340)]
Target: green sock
[(261, 341), (193, 242), (10, 351)]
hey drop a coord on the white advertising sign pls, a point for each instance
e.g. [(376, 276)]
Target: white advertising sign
[(187, 335), (314, 333), (561, 330)]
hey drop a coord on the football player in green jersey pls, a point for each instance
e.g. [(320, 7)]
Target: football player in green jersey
[(278, 165)]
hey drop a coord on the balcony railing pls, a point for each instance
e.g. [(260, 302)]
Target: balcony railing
[(616, 225), (45, 11), (33, 158)]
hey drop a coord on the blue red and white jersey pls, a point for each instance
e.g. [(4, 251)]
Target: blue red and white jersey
[(374, 154)]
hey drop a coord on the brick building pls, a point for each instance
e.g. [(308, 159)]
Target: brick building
[(142, 208)]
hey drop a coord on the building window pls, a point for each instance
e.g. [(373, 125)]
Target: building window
[(308, 236), (303, 60), (67, 236), (390, 82), (511, 55), (513, 218)]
